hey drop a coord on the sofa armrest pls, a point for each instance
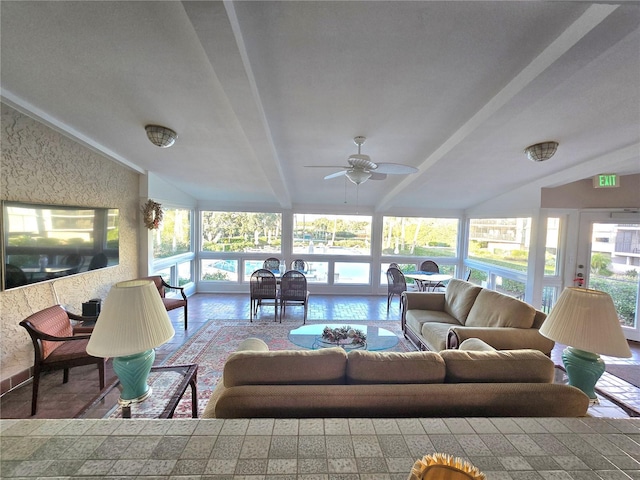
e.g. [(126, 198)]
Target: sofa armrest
[(501, 338), (423, 300)]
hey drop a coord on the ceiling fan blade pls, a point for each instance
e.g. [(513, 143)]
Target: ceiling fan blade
[(395, 169), (327, 166), (341, 173), (377, 176)]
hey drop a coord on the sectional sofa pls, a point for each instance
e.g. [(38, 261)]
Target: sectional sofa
[(327, 383), (442, 320)]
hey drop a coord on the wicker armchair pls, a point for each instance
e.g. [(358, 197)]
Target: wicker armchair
[(272, 264), (396, 284)]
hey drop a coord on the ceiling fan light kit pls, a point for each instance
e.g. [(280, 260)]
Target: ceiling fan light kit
[(541, 151), (361, 168), (160, 136)]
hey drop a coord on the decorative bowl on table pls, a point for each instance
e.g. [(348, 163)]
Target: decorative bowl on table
[(343, 336)]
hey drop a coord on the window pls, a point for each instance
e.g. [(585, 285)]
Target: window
[(241, 232), (503, 242), (551, 247), (219, 270), (173, 237), (419, 237), (315, 234)]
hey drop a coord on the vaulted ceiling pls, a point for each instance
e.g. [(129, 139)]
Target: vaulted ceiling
[(258, 91)]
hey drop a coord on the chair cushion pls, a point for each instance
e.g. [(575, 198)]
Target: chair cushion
[(493, 309), (459, 298), (284, 367), (364, 367), (69, 350), (171, 303)]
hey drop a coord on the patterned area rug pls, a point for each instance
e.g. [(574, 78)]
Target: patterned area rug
[(213, 343)]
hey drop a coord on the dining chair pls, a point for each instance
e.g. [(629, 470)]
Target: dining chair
[(272, 264), (293, 290), (396, 284), (431, 267), (263, 286), (75, 261), (299, 265), (57, 347)]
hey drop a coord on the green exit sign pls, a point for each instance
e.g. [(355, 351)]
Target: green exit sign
[(606, 180)]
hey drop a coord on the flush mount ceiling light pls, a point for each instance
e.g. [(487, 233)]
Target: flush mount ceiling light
[(160, 136), (541, 151)]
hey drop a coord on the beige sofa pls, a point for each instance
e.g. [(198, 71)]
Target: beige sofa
[(442, 320), (330, 383)]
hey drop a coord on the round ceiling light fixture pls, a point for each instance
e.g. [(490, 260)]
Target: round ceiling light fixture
[(541, 151), (160, 136)]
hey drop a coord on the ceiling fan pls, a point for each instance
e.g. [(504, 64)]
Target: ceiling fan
[(361, 168)]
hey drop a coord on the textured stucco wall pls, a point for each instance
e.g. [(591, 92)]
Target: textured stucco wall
[(40, 165)]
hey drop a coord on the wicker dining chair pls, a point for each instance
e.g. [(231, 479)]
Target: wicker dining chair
[(272, 264), (263, 286), (293, 291), (299, 265), (396, 284), (431, 267)]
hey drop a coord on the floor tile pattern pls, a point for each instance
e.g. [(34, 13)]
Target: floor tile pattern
[(318, 449)]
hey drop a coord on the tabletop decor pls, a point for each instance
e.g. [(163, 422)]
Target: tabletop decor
[(152, 214), (441, 466), (344, 336)]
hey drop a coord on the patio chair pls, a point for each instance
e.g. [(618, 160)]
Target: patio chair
[(14, 276), (56, 347), (293, 291), (396, 284), (263, 286)]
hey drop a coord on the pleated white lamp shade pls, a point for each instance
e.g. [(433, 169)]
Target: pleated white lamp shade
[(587, 320), (133, 319)]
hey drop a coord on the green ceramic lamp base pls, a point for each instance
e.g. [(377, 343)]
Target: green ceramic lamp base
[(132, 371), (584, 369)]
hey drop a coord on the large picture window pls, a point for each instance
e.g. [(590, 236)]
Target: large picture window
[(331, 234), (241, 232), (173, 237), (503, 242), (419, 237)]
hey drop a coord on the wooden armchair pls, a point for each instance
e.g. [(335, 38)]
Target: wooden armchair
[(57, 347), (170, 303)]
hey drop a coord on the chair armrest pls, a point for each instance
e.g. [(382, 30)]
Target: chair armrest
[(501, 338), (49, 338), (181, 289)]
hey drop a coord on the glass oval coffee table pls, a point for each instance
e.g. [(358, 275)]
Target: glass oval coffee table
[(310, 336)]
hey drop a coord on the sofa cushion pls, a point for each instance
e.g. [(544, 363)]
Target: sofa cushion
[(459, 298), (364, 367), (498, 366), (286, 367), (435, 335), (493, 309)]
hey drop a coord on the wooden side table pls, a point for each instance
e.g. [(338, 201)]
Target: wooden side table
[(159, 404)]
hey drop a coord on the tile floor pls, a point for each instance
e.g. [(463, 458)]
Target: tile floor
[(57, 400)]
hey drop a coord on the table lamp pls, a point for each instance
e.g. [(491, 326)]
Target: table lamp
[(132, 322), (587, 322)]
